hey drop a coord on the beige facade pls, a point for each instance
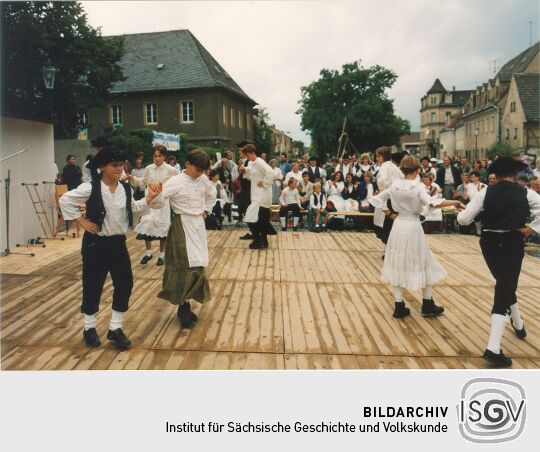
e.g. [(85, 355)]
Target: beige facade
[(281, 142)]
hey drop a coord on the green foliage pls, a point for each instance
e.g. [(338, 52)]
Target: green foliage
[(300, 145), (355, 93), (36, 34), (131, 144), (502, 149), (147, 135), (262, 135)]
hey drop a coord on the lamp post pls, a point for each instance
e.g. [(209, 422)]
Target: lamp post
[(476, 132), (49, 74)]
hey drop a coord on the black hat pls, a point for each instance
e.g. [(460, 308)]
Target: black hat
[(314, 158), (243, 143), (504, 166), (107, 155)]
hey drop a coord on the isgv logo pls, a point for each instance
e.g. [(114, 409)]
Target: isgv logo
[(491, 410)]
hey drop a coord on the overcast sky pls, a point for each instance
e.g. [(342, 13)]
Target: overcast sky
[(272, 49)]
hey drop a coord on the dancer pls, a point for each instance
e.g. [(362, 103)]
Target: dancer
[(387, 174), (261, 176), (155, 225), (191, 197), (409, 262), (506, 207), (109, 209), (244, 198), (290, 201)]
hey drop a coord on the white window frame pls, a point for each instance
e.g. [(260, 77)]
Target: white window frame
[(155, 114), (111, 114), (189, 110), (231, 116)]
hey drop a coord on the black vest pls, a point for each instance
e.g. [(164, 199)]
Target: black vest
[(321, 196), (505, 206), (95, 209), (314, 175)]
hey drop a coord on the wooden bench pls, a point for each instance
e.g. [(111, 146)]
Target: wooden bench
[(350, 213)]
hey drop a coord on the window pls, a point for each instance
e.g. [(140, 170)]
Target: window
[(512, 107), (433, 117), (115, 115), (224, 114), (150, 114), (248, 121), (232, 117), (448, 98), (240, 122), (492, 124), (515, 133), (448, 114), (83, 120), (186, 111), (507, 134)]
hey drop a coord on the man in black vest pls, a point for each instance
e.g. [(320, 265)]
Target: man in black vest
[(244, 199), (505, 207), (109, 214), (314, 170)]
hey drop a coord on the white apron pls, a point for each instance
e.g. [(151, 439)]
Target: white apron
[(196, 242)]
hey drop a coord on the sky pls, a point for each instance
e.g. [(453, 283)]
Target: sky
[(272, 49)]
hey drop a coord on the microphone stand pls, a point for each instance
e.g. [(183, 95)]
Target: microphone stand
[(7, 251)]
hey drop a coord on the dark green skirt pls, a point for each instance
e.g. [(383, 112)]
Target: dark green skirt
[(180, 281)]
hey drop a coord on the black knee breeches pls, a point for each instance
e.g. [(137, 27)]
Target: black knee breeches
[(503, 253), (102, 255)]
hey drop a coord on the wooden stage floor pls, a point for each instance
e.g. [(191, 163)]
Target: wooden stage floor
[(311, 301)]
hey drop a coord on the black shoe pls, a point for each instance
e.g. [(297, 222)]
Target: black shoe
[(187, 318), (430, 309), (160, 261), (382, 257), (247, 236), (401, 311), (497, 360), (119, 338), (284, 229), (522, 334), (257, 245), (91, 338), (295, 229), (146, 259), (317, 229)]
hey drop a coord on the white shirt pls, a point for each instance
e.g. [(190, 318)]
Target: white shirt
[(86, 174), (472, 189), (187, 196), (345, 169), (116, 220), (297, 176), (365, 202), (289, 196), (153, 174), (472, 210), (387, 175), (278, 176), (448, 176), (260, 171)]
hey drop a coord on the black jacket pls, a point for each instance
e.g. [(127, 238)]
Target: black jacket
[(440, 176)]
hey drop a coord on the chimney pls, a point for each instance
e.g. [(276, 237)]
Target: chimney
[(453, 88)]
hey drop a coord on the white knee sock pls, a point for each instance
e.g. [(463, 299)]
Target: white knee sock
[(515, 315), (427, 292), (295, 221), (89, 321), (283, 222), (149, 253), (116, 320), (162, 254), (398, 294), (498, 322)]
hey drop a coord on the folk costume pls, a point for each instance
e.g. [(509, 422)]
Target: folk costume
[(408, 261), (387, 174), (290, 201), (186, 249), (155, 225), (258, 212), (505, 207), (104, 252)]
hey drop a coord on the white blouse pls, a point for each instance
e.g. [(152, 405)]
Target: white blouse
[(387, 175), (407, 196), (278, 176), (187, 196), (153, 173), (334, 189), (297, 176), (116, 221), (289, 196)]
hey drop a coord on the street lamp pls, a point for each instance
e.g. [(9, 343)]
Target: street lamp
[(476, 132), (49, 74)]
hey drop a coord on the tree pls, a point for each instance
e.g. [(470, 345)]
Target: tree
[(37, 34), (262, 134), (299, 144), (357, 94), (502, 149)]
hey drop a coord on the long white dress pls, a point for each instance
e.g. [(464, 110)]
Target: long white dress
[(333, 193), (408, 261), (156, 224)]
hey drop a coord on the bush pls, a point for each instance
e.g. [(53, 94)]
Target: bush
[(131, 145), (147, 135)]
